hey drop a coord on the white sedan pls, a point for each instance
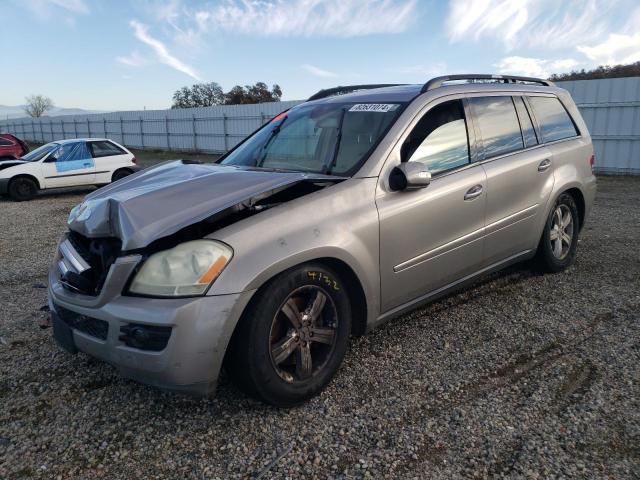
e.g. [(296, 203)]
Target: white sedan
[(65, 163)]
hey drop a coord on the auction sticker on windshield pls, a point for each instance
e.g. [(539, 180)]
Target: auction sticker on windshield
[(374, 107)]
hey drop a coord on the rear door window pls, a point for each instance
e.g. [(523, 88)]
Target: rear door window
[(104, 149), (528, 132), (498, 123), (5, 143), (555, 123)]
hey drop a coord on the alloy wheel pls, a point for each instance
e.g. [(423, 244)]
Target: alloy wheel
[(561, 233), (303, 334)]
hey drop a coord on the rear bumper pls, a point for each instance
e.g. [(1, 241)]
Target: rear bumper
[(200, 329), (589, 191)]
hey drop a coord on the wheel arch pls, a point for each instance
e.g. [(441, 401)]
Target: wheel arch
[(359, 309), (578, 198), (121, 169), (25, 175)]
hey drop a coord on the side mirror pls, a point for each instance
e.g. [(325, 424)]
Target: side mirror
[(409, 176), (50, 159)]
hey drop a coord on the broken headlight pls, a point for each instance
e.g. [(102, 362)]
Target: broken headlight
[(188, 269)]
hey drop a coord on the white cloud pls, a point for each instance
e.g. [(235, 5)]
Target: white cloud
[(133, 60), (75, 6), (543, 23), (433, 70), (617, 48), (304, 18), (534, 67), (318, 72), (44, 8), (160, 49), (477, 18)]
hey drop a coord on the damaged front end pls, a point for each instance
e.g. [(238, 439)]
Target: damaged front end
[(165, 206)]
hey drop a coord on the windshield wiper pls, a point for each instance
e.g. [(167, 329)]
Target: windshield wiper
[(330, 162), (274, 134)]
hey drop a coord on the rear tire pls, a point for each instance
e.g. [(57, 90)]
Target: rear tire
[(292, 338), (22, 189), (120, 174), (559, 243)]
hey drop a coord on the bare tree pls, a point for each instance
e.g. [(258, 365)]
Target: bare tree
[(37, 105)]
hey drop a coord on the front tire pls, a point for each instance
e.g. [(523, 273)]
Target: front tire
[(559, 243), (291, 340), (22, 189), (120, 174)]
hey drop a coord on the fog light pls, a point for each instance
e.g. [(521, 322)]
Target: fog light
[(145, 337)]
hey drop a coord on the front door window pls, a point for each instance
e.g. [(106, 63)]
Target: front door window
[(440, 139)]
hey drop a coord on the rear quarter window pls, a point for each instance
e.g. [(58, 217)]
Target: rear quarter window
[(555, 123), (105, 149), (5, 143)]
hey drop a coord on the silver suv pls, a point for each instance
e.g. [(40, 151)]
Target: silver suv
[(337, 215)]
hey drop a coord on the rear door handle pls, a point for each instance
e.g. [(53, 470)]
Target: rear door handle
[(544, 165), (473, 192)]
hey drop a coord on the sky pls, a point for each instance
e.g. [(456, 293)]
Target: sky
[(130, 55)]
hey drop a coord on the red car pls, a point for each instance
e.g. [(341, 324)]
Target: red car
[(11, 147)]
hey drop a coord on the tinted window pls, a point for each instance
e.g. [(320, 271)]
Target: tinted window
[(40, 152), (326, 137), (104, 149), (528, 132), (439, 140), (5, 143), (299, 142), (555, 123), (498, 124)]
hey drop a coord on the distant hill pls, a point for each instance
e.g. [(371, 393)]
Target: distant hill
[(17, 111)]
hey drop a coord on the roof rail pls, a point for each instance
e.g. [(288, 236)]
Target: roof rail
[(329, 92), (472, 77)]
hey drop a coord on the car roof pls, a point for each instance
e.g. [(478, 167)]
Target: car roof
[(397, 93), (71, 140), (440, 86)]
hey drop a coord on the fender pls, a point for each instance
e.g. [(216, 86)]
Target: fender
[(553, 198)]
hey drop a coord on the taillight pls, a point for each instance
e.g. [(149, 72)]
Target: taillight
[(135, 162), (592, 161)]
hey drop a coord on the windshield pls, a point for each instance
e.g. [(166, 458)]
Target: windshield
[(40, 152), (327, 138)]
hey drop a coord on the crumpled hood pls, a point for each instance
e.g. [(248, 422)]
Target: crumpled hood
[(161, 200), (10, 163)]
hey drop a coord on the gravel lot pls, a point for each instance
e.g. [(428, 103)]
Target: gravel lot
[(521, 376)]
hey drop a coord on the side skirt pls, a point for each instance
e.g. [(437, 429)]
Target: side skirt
[(451, 287)]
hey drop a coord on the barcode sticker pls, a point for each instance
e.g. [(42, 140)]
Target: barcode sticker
[(374, 107)]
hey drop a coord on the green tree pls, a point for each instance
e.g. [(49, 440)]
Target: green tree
[(603, 71), (199, 95), (258, 93), (208, 94)]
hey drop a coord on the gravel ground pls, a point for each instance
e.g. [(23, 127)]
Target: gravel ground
[(522, 375)]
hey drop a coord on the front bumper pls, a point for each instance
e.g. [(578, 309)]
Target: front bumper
[(200, 327), (4, 186)]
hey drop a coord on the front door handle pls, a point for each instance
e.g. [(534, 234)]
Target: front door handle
[(473, 192), (544, 165)]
